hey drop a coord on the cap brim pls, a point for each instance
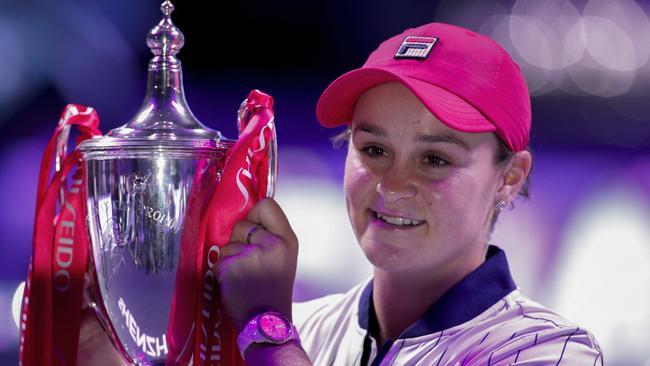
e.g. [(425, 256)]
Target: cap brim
[(336, 104)]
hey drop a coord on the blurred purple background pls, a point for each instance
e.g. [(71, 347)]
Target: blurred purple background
[(581, 245)]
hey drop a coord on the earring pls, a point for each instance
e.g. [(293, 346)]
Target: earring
[(500, 205)]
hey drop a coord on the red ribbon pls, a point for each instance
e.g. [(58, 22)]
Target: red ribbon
[(196, 306), (50, 313)]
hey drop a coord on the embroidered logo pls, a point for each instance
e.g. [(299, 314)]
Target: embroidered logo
[(416, 47)]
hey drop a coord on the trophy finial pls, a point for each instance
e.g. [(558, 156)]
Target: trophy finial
[(167, 7), (165, 38)]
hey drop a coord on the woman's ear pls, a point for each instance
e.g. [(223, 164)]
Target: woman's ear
[(515, 175)]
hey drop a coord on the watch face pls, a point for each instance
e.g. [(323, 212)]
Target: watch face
[(274, 327)]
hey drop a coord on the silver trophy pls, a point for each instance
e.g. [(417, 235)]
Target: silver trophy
[(146, 183)]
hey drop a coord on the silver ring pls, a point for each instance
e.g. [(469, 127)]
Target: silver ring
[(252, 231)]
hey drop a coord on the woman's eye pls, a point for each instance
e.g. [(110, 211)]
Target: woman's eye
[(435, 161), (373, 151)]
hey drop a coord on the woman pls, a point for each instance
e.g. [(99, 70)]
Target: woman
[(439, 122)]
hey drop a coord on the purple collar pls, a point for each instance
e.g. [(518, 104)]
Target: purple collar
[(474, 294)]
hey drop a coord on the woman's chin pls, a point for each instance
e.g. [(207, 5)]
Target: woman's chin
[(386, 256)]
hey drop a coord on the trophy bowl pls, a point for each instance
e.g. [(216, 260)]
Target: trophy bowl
[(141, 207)]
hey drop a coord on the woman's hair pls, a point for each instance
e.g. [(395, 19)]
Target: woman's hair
[(501, 158), (341, 138)]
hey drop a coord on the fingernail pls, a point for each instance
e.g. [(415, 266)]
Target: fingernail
[(214, 253)]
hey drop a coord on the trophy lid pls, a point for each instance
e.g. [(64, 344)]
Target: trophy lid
[(164, 120)]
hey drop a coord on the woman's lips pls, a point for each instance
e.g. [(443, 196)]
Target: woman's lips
[(396, 220)]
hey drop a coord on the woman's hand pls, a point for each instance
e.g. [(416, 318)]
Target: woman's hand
[(254, 277), (258, 265), (95, 346)]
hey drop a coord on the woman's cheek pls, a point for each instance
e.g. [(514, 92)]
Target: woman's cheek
[(358, 177), (439, 197), (462, 201), (357, 184)]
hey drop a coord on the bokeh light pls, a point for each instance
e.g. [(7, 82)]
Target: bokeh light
[(630, 28), (16, 303), (603, 274), (540, 31), (11, 60)]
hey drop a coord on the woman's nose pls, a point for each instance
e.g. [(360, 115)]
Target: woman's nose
[(393, 186)]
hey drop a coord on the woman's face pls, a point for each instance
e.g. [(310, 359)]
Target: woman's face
[(419, 195)]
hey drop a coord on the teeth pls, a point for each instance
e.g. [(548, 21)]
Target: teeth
[(399, 221)]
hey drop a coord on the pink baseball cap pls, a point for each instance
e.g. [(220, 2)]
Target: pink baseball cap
[(465, 79)]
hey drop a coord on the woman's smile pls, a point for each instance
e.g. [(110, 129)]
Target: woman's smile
[(397, 220)]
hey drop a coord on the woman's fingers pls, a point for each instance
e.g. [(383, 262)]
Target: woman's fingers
[(250, 232), (232, 249), (268, 213)]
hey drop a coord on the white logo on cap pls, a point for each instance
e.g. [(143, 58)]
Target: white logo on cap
[(416, 47)]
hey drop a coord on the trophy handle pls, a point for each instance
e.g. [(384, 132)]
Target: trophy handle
[(243, 116), (273, 165), (61, 152)]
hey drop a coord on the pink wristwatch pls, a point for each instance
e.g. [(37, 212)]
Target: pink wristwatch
[(267, 327)]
